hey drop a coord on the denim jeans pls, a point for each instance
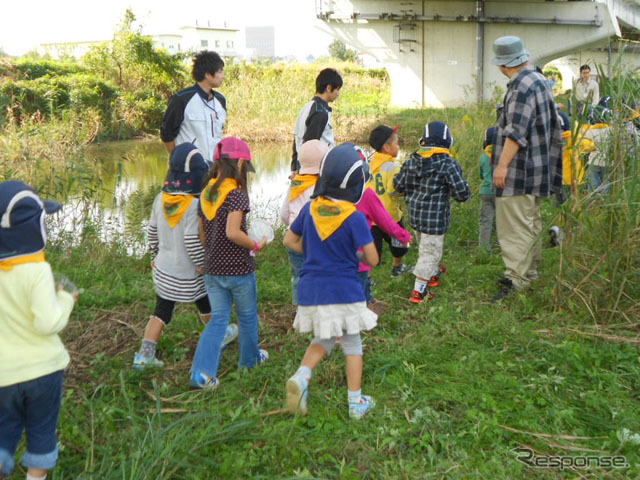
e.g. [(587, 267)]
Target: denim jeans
[(596, 179), (295, 259), (223, 291), (32, 406)]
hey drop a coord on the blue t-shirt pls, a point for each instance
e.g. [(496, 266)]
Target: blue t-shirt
[(329, 272)]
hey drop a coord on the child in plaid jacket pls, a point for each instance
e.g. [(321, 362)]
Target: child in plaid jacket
[(428, 179)]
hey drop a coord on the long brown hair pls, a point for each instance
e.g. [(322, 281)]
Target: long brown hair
[(223, 168)]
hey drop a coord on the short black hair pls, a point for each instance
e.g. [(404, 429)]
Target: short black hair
[(585, 67), (206, 62), (328, 76)]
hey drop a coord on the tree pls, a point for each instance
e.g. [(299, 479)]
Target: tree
[(339, 50)]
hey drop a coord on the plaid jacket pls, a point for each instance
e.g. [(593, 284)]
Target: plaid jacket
[(427, 181), (529, 117)]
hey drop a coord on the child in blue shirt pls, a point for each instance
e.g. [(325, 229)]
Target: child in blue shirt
[(331, 302)]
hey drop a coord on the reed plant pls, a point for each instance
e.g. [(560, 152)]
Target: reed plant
[(599, 271)]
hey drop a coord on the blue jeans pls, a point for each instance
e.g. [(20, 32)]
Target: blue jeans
[(295, 259), (223, 291), (32, 406)]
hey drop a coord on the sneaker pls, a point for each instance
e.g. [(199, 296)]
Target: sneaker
[(417, 297), (203, 381), (263, 356), (358, 410), (435, 280), (399, 270), (556, 236), (505, 291), (504, 281), (297, 393), (230, 334), (140, 362)]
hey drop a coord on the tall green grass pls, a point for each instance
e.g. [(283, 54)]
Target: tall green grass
[(599, 272)]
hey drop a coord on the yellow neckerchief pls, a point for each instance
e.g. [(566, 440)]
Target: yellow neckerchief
[(488, 150), (427, 152), (378, 160), (174, 207), (299, 184), (8, 264), (597, 126), (209, 202), (329, 215)]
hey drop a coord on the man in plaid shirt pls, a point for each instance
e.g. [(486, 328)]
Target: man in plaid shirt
[(527, 163), (428, 179)]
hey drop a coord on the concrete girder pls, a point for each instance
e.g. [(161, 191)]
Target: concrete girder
[(434, 62)]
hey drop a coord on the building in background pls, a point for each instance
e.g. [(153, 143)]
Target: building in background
[(260, 42), (194, 38)]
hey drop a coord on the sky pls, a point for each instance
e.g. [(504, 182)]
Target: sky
[(25, 24)]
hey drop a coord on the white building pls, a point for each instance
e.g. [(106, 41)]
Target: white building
[(195, 38), (187, 39)]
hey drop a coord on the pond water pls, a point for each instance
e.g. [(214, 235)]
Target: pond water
[(132, 167)]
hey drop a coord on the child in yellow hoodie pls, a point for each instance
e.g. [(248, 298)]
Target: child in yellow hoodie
[(32, 313), (384, 140)]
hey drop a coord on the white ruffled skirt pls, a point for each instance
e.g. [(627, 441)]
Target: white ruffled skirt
[(335, 320)]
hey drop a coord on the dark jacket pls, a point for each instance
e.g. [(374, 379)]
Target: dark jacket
[(427, 180)]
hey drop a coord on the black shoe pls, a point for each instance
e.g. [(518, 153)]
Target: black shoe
[(504, 292), (505, 282)]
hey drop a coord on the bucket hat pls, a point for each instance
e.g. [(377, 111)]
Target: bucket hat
[(509, 51), (310, 156)]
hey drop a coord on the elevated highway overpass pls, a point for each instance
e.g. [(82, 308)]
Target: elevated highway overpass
[(438, 52)]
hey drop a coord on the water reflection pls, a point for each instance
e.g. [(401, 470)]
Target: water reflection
[(137, 166)]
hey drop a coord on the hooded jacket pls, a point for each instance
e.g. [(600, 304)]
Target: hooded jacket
[(427, 179)]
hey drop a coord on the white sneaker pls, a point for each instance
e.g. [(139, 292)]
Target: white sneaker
[(357, 410), (263, 356), (297, 393), (140, 362)]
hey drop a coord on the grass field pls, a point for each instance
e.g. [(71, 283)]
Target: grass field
[(459, 383)]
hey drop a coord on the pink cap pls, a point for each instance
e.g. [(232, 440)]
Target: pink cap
[(233, 147)]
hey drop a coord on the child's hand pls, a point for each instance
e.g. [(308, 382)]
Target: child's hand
[(199, 270), (263, 243)]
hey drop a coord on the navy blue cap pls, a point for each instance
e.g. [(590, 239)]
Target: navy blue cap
[(436, 134), (22, 229), (187, 170), (344, 173)]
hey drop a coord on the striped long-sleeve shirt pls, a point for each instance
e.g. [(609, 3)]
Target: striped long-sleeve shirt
[(176, 253)]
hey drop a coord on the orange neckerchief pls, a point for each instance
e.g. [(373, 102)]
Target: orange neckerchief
[(300, 184), (426, 152), (328, 215), (488, 150), (211, 202), (8, 264), (174, 207)]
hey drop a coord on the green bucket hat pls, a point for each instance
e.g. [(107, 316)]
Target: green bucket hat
[(509, 52)]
